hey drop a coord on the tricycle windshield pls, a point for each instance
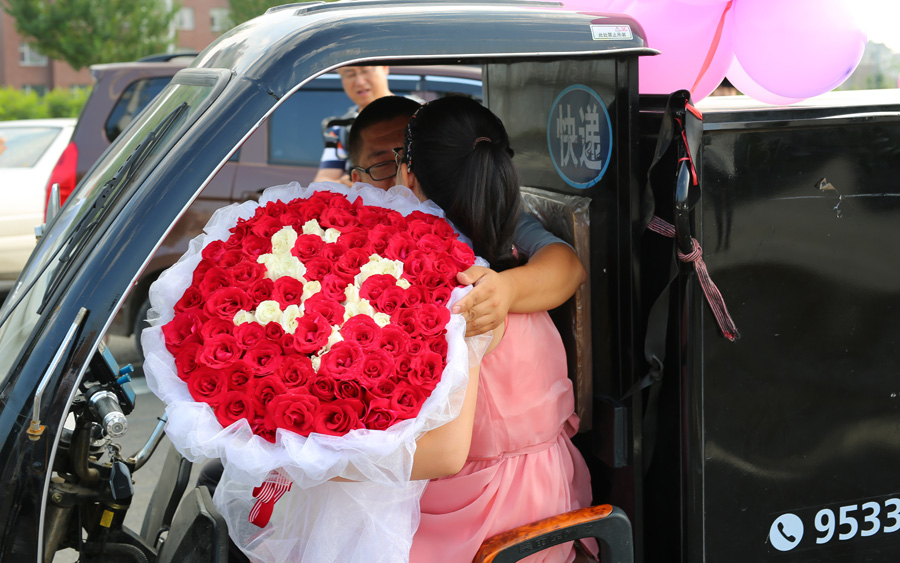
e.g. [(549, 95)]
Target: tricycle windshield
[(131, 158)]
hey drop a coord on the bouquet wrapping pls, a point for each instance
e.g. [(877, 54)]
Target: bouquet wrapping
[(307, 341)]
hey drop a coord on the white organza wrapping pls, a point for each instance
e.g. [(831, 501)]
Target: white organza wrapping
[(371, 519)]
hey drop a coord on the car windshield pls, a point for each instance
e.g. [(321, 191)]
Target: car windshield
[(22, 147), (134, 154)]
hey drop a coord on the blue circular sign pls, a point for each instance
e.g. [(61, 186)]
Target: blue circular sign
[(579, 136)]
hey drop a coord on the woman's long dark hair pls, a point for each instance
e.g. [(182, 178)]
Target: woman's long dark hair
[(459, 152)]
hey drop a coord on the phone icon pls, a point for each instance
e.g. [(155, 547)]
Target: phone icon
[(786, 532)]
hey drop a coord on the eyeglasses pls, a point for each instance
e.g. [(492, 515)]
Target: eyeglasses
[(398, 156), (380, 171)]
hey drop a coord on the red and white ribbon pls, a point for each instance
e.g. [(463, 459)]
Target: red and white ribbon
[(266, 495)]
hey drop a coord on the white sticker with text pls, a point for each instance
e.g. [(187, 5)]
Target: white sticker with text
[(611, 32)]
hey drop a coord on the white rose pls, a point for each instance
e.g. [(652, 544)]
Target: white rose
[(267, 312), (283, 241), (289, 318), (361, 307), (316, 360), (378, 266), (312, 227), (243, 316), (310, 288), (331, 235), (404, 283), (351, 294), (280, 265), (333, 338), (382, 319)]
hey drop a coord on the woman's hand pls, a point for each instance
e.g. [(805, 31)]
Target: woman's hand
[(487, 305)]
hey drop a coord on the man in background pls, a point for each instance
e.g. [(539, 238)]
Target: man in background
[(363, 85)]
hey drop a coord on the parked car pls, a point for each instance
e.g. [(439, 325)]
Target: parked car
[(29, 150), (283, 149)]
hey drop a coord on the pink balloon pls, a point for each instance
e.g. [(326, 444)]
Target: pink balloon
[(739, 79), (797, 48), (720, 62), (703, 2), (685, 35), (898, 82)]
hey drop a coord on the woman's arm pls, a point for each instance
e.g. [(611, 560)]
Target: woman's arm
[(442, 452), (549, 278)]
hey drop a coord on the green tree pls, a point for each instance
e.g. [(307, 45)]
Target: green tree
[(85, 32)]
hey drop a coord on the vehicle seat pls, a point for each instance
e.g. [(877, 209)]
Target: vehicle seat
[(567, 217), (173, 480), (607, 524)]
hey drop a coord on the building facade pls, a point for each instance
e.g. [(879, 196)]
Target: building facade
[(197, 24)]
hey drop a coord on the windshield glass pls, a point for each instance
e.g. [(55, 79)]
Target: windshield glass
[(22, 147), (191, 90)]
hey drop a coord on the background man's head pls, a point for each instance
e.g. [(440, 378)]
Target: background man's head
[(377, 130), (364, 84)]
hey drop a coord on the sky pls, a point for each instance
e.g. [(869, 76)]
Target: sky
[(880, 20)]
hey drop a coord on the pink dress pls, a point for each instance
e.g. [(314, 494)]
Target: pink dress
[(522, 466)]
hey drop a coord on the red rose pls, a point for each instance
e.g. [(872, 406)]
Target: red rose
[(461, 254), (372, 288), (380, 236), (425, 370), (287, 344), (275, 208), (377, 365), (183, 329), (215, 327), (334, 286), (407, 400), (335, 218), (379, 416), (438, 344), (191, 299), (213, 250), (445, 266), (361, 329), (444, 230), (207, 385), (233, 406), (432, 280), (263, 428), (403, 365), (333, 251), (391, 299), (339, 417), (383, 388), (417, 228), (230, 258), (343, 361), (246, 273), (323, 388), (328, 308), (317, 268), (261, 290), (307, 247), (214, 278), (200, 271), (416, 295), (350, 263), (416, 346), (239, 376), (427, 218), (348, 390), (399, 247), (265, 389), (407, 320), (441, 296), (226, 302), (294, 411), (248, 334), (414, 265), (393, 340), (287, 291), (357, 240), (432, 243), (186, 360), (219, 351), (266, 226), (296, 371), (310, 210), (274, 331), (264, 357), (311, 334), (369, 216), (432, 319), (254, 246)]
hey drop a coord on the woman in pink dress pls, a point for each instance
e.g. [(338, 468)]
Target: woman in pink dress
[(521, 465)]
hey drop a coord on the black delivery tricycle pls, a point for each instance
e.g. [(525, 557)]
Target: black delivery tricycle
[(779, 443)]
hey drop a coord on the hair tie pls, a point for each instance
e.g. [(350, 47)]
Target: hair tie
[(479, 139)]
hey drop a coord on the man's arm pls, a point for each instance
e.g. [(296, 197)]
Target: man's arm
[(549, 278)]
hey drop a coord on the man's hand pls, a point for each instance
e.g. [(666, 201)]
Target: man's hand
[(486, 306)]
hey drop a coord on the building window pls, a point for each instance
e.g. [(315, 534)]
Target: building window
[(219, 19), (39, 89), (29, 56), (184, 19)]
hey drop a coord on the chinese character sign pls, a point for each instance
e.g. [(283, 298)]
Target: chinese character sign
[(579, 136)]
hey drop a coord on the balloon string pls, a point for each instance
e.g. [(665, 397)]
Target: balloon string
[(712, 48)]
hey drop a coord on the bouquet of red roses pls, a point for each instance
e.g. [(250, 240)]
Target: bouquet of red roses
[(308, 337)]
